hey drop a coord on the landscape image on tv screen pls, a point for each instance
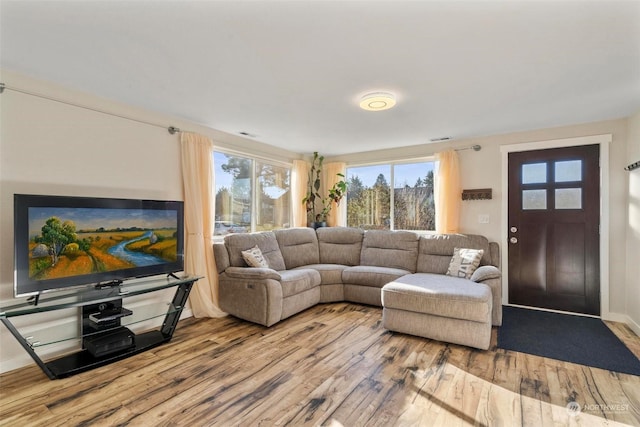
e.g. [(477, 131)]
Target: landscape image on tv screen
[(65, 242)]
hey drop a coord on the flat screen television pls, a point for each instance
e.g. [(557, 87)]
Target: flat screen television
[(62, 241)]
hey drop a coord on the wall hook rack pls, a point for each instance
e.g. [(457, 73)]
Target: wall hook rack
[(632, 166), (477, 194)]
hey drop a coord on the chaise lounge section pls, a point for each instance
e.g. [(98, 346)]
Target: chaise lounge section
[(400, 271)]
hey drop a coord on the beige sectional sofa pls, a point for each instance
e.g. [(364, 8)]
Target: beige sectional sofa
[(399, 270)]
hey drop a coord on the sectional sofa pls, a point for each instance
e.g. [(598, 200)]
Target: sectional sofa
[(401, 271)]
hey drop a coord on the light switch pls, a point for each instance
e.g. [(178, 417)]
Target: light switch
[(483, 218)]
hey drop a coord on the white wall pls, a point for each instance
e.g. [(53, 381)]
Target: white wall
[(48, 147), (633, 225), (482, 169)]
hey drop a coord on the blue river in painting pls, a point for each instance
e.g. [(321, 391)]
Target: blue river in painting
[(140, 259)]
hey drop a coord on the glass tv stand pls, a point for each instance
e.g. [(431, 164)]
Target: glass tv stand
[(102, 327)]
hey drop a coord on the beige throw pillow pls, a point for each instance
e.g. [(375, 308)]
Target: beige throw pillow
[(254, 257), (464, 262)]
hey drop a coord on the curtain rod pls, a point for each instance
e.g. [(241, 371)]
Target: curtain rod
[(171, 129), (473, 147)]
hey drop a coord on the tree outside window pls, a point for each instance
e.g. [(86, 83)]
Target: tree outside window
[(250, 195), (369, 196)]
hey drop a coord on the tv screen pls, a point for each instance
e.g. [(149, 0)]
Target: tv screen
[(64, 241)]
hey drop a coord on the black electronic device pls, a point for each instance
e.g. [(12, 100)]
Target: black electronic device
[(109, 315), (108, 342)]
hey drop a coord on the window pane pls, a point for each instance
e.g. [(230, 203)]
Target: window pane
[(569, 171), (413, 203), (534, 173), (273, 197), (233, 194), (568, 198), (534, 199), (368, 197)]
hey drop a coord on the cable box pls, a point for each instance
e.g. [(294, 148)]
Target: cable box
[(111, 341)]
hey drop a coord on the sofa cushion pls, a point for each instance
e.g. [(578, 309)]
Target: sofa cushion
[(299, 246), (266, 241), (439, 295), (435, 251), (340, 245), (330, 274), (296, 281), (371, 275), (392, 249), (464, 262)]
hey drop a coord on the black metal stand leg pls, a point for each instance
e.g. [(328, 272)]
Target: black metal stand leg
[(179, 300), (28, 348)]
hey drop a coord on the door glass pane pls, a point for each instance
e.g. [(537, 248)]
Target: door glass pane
[(233, 194), (534, 199), (413, 204), (273, 197), (369, 197), (569, 171), (534, 173), (568, 198)]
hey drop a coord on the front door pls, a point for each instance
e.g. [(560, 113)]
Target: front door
[(554, 236)]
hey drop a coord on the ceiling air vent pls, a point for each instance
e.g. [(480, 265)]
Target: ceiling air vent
[(441, 139)]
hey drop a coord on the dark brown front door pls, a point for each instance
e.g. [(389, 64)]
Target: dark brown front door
[(554, 236)]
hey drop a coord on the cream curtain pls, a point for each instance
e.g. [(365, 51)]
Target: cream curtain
[(299, 180), (447, 193), (338, 215), (197, 177)]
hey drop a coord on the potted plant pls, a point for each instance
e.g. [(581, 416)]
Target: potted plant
[(336, 193), (313, 189)]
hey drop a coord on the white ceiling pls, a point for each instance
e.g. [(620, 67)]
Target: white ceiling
[(292, 72)]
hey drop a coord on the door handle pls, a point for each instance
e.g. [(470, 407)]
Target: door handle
[(514, 229), (513, 240)]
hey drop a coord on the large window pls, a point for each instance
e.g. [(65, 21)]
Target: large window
[(371, 203), (251, 195)]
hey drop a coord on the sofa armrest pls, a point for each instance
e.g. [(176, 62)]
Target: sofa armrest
[(485, 272), (253, 273), (492, 277)]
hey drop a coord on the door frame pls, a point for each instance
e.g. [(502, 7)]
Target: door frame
[(603, 141)]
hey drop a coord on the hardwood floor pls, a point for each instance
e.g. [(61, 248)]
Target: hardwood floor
[(331, 365)]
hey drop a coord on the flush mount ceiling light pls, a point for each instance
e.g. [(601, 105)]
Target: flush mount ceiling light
[(377, 101)]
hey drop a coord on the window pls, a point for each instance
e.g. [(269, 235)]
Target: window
[(251, 195), (370, 199), (565, 180)]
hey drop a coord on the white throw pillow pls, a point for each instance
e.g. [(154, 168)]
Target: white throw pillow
[(464, 262), (254, 257)]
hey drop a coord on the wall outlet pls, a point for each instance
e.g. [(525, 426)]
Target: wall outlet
[(483, 218)]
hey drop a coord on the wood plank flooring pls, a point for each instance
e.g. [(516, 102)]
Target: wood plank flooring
[(332, 365)]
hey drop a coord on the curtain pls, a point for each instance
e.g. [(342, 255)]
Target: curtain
[(299, 180), (197, 177), (447, 193), (338, 215)]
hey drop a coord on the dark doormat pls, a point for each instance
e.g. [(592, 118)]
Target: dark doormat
[(576, 339)]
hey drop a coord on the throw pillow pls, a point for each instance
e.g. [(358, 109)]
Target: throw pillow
[(254, 257), (464, 262)]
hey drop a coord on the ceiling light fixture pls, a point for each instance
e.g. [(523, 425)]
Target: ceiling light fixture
[(377, 101)]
